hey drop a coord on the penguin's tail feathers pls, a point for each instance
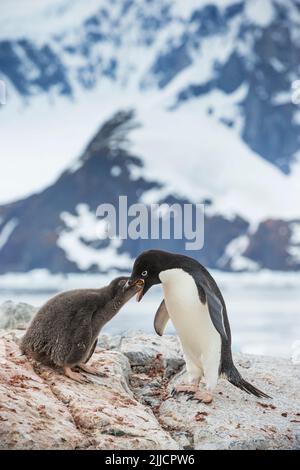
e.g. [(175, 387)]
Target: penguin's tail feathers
[(235, 378)]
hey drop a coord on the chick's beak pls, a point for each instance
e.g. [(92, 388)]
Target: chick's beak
[(136, 282)]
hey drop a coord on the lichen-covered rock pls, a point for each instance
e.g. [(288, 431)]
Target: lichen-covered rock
[(31, 417), (130, 407), (236, 420), (148, 350), (42, 409), (109, 341), (16, 315)]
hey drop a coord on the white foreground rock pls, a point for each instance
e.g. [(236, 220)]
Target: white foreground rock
[(130, 406), (42, 409)]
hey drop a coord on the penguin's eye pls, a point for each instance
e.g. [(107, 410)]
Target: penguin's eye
[(144, 273)]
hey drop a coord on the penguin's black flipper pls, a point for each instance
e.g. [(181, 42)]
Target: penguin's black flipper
[(215, 309), (161, 319)]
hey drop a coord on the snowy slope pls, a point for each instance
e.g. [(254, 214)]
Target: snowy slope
[(222, 169)]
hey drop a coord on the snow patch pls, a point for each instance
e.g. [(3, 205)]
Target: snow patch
[(260, 12), (283, 97), (115, 171), (295, 237), (153, 196), (236, 247), (85, 224), (234, 254), (296, 118), (85, 256), (7, 230), (37, 20), (294, 249), (83, 229), (76, 165), (225, 108), (241, 263), (277, 64)]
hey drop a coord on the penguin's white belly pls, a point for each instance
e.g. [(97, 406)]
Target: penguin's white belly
[(190, 317)]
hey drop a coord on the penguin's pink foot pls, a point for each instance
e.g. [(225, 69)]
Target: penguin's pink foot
[(89, 370), (188, 389), (74, 375), (203, 397)]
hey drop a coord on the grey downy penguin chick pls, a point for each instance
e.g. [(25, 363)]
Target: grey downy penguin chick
[(195, 305), (65, 330)]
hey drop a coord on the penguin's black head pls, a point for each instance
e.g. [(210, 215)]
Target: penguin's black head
[(146, 269)]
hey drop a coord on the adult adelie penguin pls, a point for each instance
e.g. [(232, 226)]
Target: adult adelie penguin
[(194, 303), (65, 330)]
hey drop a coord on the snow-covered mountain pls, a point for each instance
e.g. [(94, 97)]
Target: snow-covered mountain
[(210, 83)]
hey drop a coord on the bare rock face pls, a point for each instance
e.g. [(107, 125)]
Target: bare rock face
[(31, 417), (148, 350), (130, 407), (42, 409), (236, 420)]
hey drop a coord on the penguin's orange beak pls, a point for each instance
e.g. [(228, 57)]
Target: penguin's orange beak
[(141, 284), (137, 282)]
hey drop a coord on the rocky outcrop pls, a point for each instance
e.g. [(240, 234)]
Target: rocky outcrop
[(16, 315), (41, 409), (130, 407)]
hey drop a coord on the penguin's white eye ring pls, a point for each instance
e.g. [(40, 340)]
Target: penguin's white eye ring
[(144, 273)]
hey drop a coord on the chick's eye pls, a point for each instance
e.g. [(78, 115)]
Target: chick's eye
[(144, 273)]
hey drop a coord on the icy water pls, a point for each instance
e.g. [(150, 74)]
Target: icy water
[(263, 309)]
